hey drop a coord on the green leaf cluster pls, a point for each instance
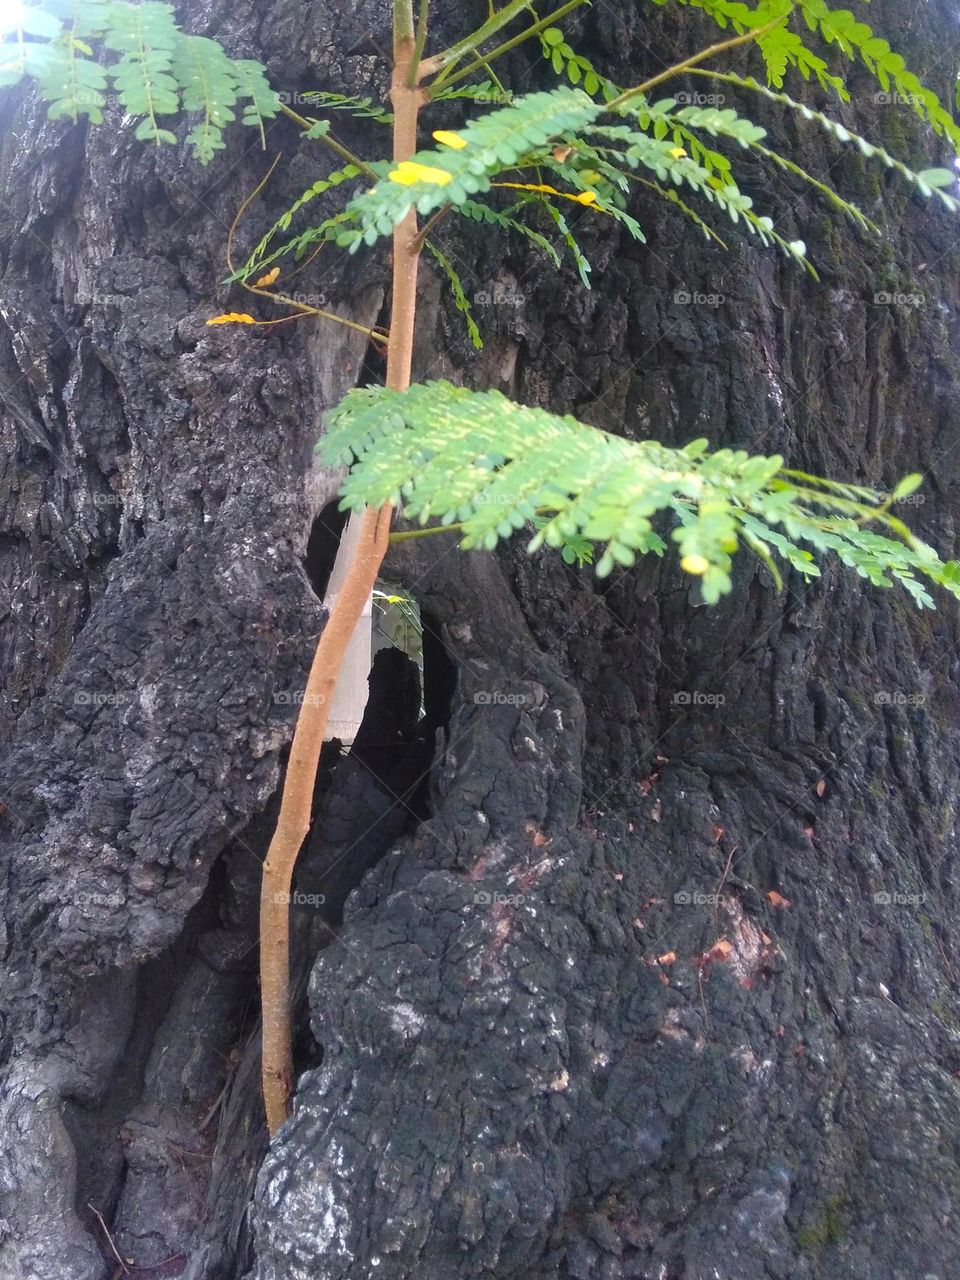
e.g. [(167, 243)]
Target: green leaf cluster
[(78, 51), (492, 467)]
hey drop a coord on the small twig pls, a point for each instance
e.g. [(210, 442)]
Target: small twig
[(106, 1231), (244, 206), (445, 79), (710, 52), (343, 152), (406, 534), (420, 41), (424, 232)]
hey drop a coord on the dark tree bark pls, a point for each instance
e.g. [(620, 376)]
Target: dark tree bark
[(505, 1073)]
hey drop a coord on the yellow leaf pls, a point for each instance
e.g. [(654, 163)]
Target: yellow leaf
[(695, 565), (267, 279), (232, 317), (586, 197), (450, 139), (409, 172), (582, 197)]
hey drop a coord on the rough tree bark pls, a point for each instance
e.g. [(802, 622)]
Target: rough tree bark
[(501, 1080)]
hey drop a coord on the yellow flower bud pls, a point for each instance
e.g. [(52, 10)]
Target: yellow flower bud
[(410, 172), (696, 565), (450, 139)]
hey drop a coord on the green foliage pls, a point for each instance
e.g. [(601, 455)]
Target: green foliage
[(579, 70), (361, 108), (494, 142), (258, 258), (156, 69), (492, 466), (460, 298)]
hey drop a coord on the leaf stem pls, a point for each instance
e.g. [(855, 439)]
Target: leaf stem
[(413, 75), (710, 52), (406, 534), (473, 41), (343, 152), (480, 62)]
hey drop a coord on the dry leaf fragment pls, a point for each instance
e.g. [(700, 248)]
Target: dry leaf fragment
[(656, 811), (668, 957), (777, 899), (267, 279), (821, 786)]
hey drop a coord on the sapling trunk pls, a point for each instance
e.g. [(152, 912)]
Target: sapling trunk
[(297, 799)]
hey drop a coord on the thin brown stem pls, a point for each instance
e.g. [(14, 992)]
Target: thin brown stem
[(297, 800), (710, 52), (328, 140)]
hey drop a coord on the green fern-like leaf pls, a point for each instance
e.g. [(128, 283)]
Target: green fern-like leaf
[(493, 142), (461, 301), (928, 182), (361, 108), (856, 39), (258, 259), (253, 89), (209, 85), (145, 35), (492, 466)]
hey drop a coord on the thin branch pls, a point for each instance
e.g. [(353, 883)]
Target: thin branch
[(508, 45), (403, 28), (406, 534), (343, 152), (243, 208), (413, 75), (428, 226), (106, 1231), (710, 52), (473, 41)]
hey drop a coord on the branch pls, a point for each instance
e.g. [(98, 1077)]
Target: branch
[(710, 52), (506, 47), (413, 75), (477, 38)]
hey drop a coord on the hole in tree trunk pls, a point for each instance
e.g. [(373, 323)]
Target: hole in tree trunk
[(322, 546)]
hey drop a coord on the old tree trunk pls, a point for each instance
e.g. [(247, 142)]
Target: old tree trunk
[(499, 1079)]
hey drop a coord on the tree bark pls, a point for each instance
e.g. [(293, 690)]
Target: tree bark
[(526, 1059)]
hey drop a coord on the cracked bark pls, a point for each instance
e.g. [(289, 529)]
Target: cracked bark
[(497, 1080)]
